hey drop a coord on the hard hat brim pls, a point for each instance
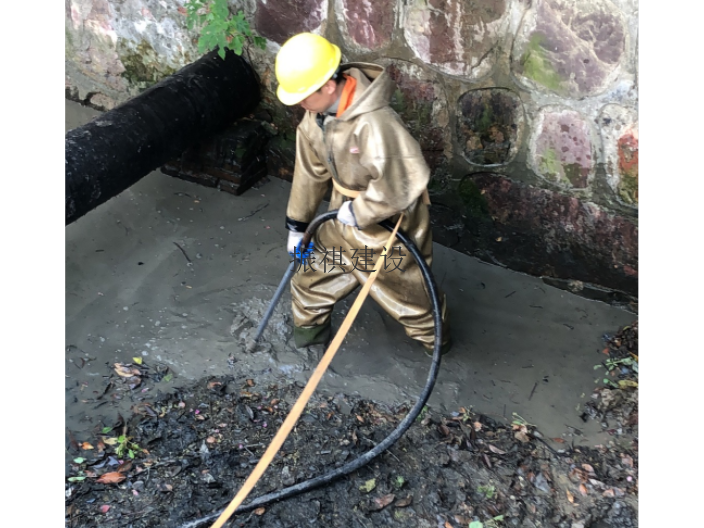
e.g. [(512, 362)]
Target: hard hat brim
[(290, 99)]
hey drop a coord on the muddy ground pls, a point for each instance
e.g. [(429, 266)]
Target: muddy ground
[(182, 456), (165, 282)]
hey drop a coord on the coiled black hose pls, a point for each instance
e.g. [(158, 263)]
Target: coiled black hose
[(400, 429)]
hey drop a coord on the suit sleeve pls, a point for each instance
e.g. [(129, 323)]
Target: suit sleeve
[(310, 182), (398, 170)]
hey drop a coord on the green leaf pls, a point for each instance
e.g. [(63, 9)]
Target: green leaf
[(260, 42), (476, 524), (170, 376), (488, 491), (368, 486), (76, 479), (106, 430), (130, 453), (627, 384), (216, 23), (219, 9), (236, 45), (79, 460)]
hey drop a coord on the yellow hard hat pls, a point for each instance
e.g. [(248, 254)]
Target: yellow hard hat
[(304, 63)]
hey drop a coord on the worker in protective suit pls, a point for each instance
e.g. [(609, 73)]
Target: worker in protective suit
[(351, 136)]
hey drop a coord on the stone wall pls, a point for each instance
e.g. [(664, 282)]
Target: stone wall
[(527, 111)]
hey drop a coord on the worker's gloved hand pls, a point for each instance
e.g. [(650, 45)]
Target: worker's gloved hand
[(294, 249), (345, 214), (294, 239)]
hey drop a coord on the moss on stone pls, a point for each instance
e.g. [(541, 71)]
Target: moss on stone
[(424, 111), (69, 44), (434, 185), (486, 120), (143, 67), (628, 168), (538, 67), (573, 173), (417, 115), (628, 188), (398, 102), (550, 165), (283, 118), (475, 205)]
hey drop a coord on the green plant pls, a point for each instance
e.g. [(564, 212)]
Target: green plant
[(520, 421), (613, 364), (627, 361), (422, 414), (125, 446), (219, 28), (487, 491), (491, 523), (613, 384), (81, 475), (475, 204)]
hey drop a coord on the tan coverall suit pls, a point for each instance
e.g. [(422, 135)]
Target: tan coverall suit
[(366, 149)]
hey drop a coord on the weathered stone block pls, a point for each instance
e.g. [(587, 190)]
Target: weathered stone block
[(279, 20), (421, 103), (281, 157), (92, 40), (125, 47), (368, 24), (561, 150), (456, 37), (490, 125), (102, 102), (539, 232), (619, 133), (571, 48)]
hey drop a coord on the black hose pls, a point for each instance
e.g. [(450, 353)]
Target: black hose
[(400, 429)]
